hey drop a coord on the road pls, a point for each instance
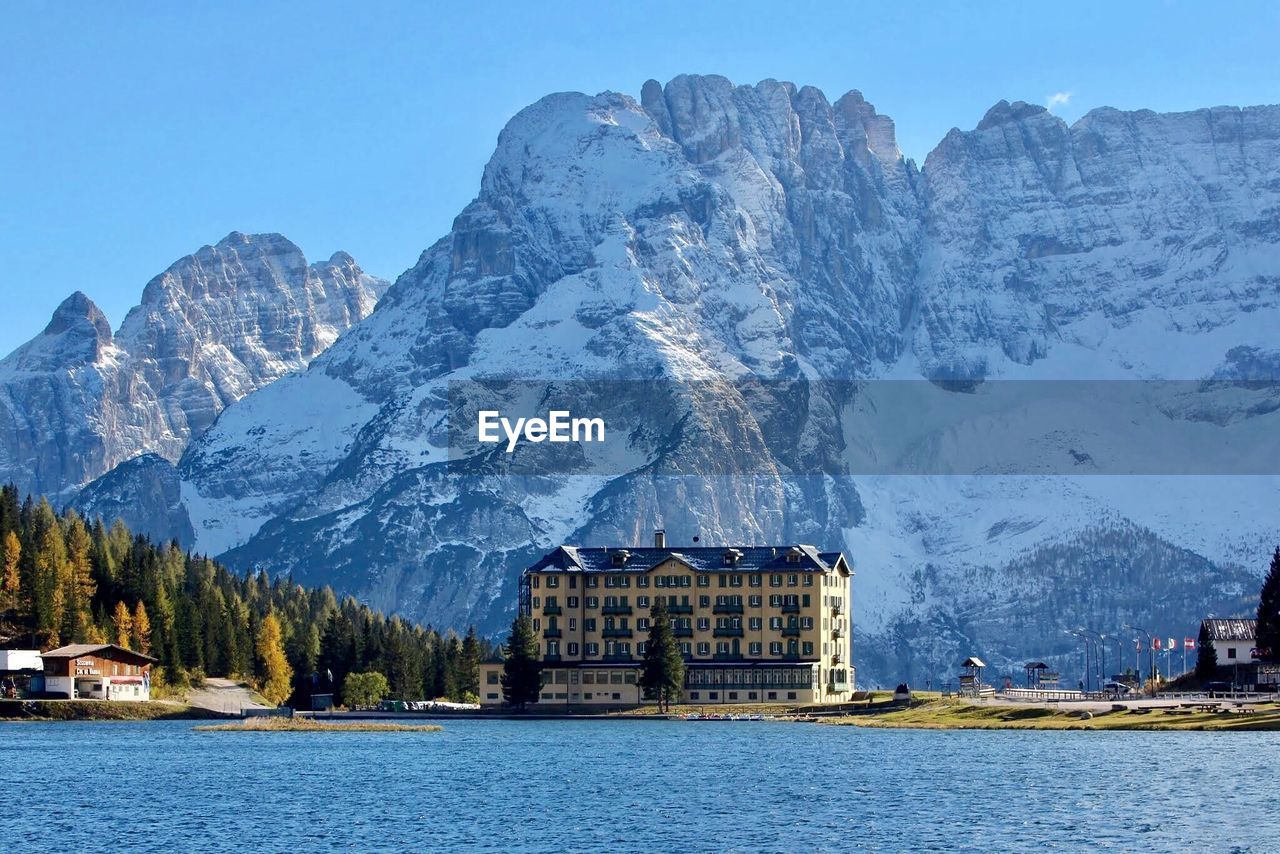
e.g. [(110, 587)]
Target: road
[(224, 695)]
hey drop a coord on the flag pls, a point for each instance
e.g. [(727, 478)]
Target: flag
[(1173, 644), (1188, 643), (1155, 644), (1137, 645)]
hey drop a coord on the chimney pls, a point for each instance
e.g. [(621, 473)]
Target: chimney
[(659, 539)]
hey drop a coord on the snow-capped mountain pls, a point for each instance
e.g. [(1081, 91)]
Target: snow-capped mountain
[(76, 400), (715, 234)]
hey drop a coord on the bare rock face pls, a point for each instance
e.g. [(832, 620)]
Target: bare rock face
[(75, 401), (713, 231)]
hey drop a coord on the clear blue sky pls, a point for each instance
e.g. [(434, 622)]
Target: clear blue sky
[(135, 133)]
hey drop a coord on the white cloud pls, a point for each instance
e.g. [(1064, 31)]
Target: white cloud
[(1058, 99)]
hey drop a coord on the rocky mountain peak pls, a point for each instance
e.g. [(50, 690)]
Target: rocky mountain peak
[(1003, 112)]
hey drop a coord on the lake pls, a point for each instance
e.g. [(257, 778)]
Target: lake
[(635, 786)]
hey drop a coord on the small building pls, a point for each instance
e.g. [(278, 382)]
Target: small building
[(1234, 641), (97, 671), (18, 668)]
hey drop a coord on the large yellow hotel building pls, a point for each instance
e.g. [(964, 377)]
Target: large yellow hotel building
[(757, 624)]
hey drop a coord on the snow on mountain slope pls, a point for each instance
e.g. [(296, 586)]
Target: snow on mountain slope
[(76, 400), (719, 233)]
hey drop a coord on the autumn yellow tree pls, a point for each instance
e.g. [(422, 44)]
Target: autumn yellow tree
[(123, 623), (78, 580), (141, 626), (10, 575), (276, 676)]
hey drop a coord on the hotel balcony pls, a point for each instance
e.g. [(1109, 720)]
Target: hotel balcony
[(682, 631), (679, 609), (727, 632), (727, 609), (837, 609), (791, 607), (551, 610), (551, 657), (790, 631), (727, 656), (551, 633), (837, 633), (616, 609), (617, 657), (616, 633)]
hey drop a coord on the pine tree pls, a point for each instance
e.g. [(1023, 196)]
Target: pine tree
[(522, 670), (275, 675), (470, 669), (140, 628), (123, 623), (1269, 612), (10, 577), (662, 673), (1206, 657)]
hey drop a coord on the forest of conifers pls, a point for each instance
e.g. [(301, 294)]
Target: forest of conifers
[(64, 579)]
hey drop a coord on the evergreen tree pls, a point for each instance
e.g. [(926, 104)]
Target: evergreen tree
[(1269, 612), (275, 675), (662, 673), (469, 680), (1206, 656), (522, 670), (122, 621)]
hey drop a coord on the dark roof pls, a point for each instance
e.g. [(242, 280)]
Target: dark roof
[(700, 558), (111, 650), (1231, 630), (1035, 665)]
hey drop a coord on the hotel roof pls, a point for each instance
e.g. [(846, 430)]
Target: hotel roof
[(1232, 630), (76, 650), (700, 558)]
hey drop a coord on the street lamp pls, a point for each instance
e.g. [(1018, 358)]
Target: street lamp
[(1100, 659), (1151, 651), (1079, 634)]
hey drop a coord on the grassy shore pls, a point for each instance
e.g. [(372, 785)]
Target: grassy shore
[(308, 725), (957, 714), (98, 710)]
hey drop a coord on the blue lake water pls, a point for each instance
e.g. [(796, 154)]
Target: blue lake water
[(634, 786)]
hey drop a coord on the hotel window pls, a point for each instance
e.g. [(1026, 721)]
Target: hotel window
[(735, 622), (624, 648), (573, 601), (806, 622), (722, 622), (807, 647), (1231, 652), (735, 580), (704, 623), (826, 648), (553, 647), (610, 581), (775, 647), (804, 600), (775, 623), (642, 601), (755, 623), (573, 624), (685, 647), (793, 580), (551, 602), (659, 581), (722, 648), (642, 581), (775, 601), (793, 647), (593, 649), (775, 580), (573, 582), (704, 648), (537, 624), (610, 647), (724, 580), (588, 678), (640, 647), (755, 601), (573, 649), (592, 581), (589, 624), (753, 648), (629, 677), (704, 581), (537, 602), (553, 581), (755, 580), (643, 624), (573, 677), (593, 601), (704, 601), (808, 581), (609, 623), (492, 677), (535, 582), (686, 581)]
